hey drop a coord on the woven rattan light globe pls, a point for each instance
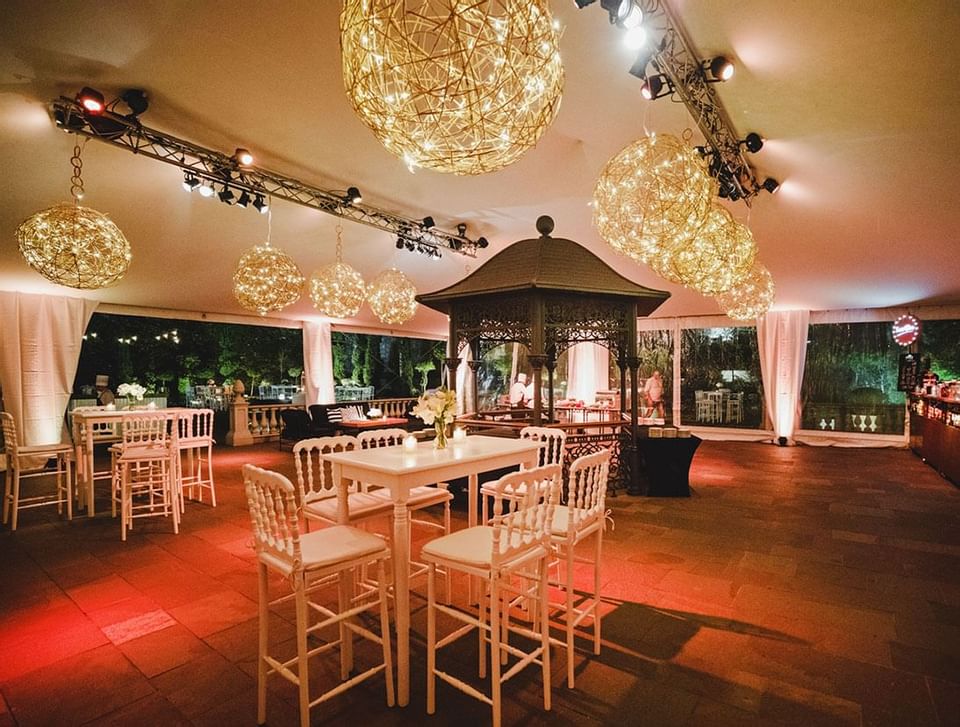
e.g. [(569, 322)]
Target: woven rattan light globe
[(716, 258), (751, 297), (461, 87), (74, 246), (653, 195), (392, 296), (337, 290), (266, 279)]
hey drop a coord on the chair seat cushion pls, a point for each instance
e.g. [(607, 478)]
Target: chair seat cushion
[(561, 521), (337, 544), (360, 504), (472, 547), (490, 488), (52, 449), (424, 496)]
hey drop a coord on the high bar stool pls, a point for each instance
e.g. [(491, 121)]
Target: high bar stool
[(514, 546), (581, 518), (29, 462), (195, 444), (552, 448), (305, 561)]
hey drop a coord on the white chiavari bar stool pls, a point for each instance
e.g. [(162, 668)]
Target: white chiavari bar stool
[(420, 498), (513, 548), (304, 561), (580, 519), (195, 444), (145, 481), (318, 491), (735, 407), (553, 444), (28, 462)]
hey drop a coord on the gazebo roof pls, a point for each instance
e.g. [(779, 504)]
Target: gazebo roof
[(545, 263)]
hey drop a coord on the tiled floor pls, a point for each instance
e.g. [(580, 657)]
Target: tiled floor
[(797, 586)]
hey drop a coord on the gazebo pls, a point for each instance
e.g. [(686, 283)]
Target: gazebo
[(549, 293)]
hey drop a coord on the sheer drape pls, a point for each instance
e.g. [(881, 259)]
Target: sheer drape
[(317, 363), (782, 340), (464, 381), (39, 351), (588, 371)]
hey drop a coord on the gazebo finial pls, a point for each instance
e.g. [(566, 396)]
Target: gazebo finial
[(544, 225)]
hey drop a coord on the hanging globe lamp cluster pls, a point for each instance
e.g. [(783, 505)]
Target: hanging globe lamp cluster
[(654, 202), (453, 86)]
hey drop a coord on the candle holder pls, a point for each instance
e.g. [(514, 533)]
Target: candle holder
[(409, 443)]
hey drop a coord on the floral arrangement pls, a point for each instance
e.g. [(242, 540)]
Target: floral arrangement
[(438, 408), (135, 391)]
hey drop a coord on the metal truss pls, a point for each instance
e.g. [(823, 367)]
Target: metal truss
[(676, 58), (126, 132)]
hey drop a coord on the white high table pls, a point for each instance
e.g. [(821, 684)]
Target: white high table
[(83, 438), (399, 470)]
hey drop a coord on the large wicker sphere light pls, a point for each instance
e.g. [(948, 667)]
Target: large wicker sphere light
[(337, 290), (266, 279), (393, 297), (716, 258), (653, 194), (454, 86), (751, 297), (74, 246)]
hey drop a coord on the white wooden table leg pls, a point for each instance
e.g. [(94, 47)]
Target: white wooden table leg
[(401, 590), (473, 488), (88, 466), (346, 583)]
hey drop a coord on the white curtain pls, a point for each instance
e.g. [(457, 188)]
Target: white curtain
[(782, 341), (39, 351), (317, 363), (588, 371), (464, 380)]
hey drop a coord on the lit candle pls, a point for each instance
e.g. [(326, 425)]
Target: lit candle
[(111, 407), (459, 433), (152, 405), (409, 443)]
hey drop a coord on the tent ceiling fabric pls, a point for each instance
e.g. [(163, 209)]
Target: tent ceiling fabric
[(858, 103)]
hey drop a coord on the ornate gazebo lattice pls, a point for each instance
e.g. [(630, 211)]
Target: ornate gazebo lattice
[(548, 294)]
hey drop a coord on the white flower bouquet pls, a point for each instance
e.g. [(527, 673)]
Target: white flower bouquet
[(438, 408), (134, 391)]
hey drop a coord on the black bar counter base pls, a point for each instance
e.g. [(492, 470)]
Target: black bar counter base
[(665, 462)]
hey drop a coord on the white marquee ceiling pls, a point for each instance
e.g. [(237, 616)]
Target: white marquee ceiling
[(859, 102)]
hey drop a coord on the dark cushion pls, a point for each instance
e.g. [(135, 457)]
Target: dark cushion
[(296, 424)]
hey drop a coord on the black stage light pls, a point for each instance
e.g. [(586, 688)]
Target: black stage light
[(719, 69), (771, 185), (462, 229), (244, 199), (260, 204), (399, 243), (753, 142), (482, 242), (655, 87), (618, 9), (225, 195), (136, 100), (427, 222), (91, 100), (353, 196), (190, 181), (243, 157), (581, 4), (639, 67)]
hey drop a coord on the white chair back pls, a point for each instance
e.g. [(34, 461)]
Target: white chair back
[(533, 496), (381, 438), (272, 501), (314, 473), (145, 430), (195, 426), (552, 443), (587, 489)]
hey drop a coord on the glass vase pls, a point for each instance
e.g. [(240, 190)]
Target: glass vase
[(440, 442)]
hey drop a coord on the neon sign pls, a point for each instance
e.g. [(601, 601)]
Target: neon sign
[(906, 330)]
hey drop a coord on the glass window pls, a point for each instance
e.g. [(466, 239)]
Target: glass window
[(373, 366), (850, 379), (171, 358), (721, 384), (940, 348)]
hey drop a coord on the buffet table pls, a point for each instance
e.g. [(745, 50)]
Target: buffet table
[(935, 433)]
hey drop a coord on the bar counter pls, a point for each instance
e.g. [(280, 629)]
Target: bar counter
[(935, 433)]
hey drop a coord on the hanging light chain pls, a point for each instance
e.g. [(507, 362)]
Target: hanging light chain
[(339, 229), (76, 180)]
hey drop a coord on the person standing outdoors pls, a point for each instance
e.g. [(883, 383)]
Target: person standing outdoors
[(653, 392)]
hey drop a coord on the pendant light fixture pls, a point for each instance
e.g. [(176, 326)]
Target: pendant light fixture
[(73, 245), (266, 278), (337, 290)]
